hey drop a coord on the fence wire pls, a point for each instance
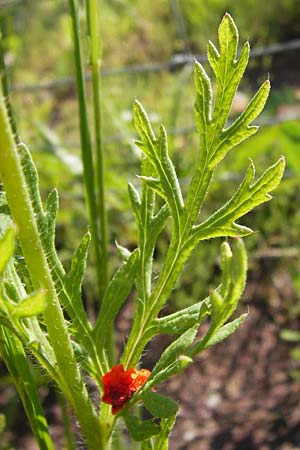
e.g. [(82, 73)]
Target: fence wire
[(176, 62)]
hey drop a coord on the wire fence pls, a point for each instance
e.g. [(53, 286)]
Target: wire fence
[(175, 63), (181, 131)]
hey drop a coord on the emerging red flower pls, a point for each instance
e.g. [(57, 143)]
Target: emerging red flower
[(119, 385)]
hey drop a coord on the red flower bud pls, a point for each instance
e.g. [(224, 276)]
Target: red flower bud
[(119, 385)]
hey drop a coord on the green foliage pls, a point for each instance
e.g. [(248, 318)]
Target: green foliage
[(116, 293), (159, 405), (140, 430), (63, 344), (215, 142)]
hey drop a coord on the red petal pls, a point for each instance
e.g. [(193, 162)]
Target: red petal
[(119, 385)]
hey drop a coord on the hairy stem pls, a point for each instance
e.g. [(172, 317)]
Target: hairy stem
[(18, 198)]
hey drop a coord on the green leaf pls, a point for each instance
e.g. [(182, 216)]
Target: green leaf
[(224, 332), (10, 290), (225, 299), (172, 187), (249, 195), (140, 430), (241, 129), (135, 200), (179, 322), (228, 71), (155, 184), (7, 245), (142, 124), (233, 283), (155, 227), (211, 114), (116, 293), (75, 279), (203, 103), (159, 405), (165, 183), (32, 182), (174, 351), (78, 265), (215, 139), (31, 306), (173, 368), (50, 220)]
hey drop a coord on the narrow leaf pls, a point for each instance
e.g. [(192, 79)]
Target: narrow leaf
[(224, 301), (224, 332), (175, 350), (157, 223), (203, 101), (135, 200), (172, 186), (78, 267), (180, 321), (116, 293), (173, 369), (51, 212), (32, 182), (142, 123)]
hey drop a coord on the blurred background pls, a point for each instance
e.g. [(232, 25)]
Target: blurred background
[(244, 394)]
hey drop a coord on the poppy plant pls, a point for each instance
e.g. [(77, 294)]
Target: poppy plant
[(119, 385)]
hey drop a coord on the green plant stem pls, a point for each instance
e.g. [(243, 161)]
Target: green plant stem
[(138, 338), (23, 216), (95, 46), (86, 147), (178, 252)]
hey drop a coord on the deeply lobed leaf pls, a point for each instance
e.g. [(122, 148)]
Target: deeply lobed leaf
[(249, 195)]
